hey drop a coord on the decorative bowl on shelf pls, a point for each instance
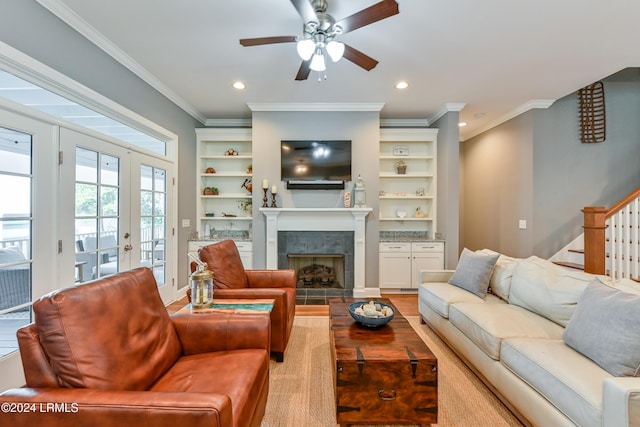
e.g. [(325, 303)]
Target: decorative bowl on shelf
[(401, 213), (365, 315)]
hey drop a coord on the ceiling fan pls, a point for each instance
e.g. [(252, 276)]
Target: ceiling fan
[(320, 30)]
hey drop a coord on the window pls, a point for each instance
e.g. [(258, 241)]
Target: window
[(16, 218)]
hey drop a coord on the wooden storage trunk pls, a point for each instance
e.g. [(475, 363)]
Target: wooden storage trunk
[(382, 376)]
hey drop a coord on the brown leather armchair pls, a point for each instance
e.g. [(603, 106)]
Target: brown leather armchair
[(232, 281), (107, 353)]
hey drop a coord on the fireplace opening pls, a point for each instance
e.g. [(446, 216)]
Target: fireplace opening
[(318, 270)]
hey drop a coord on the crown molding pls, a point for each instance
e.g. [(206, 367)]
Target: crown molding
[(68, 16), (404, 123), (446, 108), (285, 106), (228, 123), (530, 105)]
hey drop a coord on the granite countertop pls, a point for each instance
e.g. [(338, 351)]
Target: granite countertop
[(406, 236), (408, 239)]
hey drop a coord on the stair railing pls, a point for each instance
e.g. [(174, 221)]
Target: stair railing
[(611, 238)]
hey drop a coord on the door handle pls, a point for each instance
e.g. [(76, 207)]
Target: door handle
[(128, 247)]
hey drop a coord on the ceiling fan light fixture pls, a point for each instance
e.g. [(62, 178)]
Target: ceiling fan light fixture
[(335, 50), (306, 48), (317, 62)]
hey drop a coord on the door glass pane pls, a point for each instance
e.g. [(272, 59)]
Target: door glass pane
[(16, 219), (109, 170), (86, 166), (97, 214), (152, 220), (86, 199)]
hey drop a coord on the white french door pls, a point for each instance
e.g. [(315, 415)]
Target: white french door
[(115, 205)]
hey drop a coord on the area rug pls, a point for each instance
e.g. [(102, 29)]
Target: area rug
[(301, 388)]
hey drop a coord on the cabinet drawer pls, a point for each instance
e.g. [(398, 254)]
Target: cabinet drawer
[(244, 246), (395, 247), (427, 247)]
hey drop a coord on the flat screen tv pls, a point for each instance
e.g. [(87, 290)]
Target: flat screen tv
[(315, 164)]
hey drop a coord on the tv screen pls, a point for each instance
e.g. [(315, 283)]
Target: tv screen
[(315, 162)]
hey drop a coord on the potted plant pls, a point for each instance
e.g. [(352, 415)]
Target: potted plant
[(401, 167), (246, 206), (210, 191)]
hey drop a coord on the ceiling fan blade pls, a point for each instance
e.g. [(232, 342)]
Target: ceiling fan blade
[(267, 40), (375, 13), (305, 10), (304, 71), (359, 58)]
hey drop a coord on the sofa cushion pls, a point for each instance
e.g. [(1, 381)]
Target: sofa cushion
[(240, 374), (119, 319), (487, 325), (547, 289), (606, 328), (500, 282), (570, 381), (440, 296), (474, 272), (11, 254)]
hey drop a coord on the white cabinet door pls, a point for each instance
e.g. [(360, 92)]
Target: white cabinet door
[(425, 261), (395, 270)]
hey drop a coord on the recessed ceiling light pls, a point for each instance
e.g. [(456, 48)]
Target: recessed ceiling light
[(238, 85), (461, 124), (402, 85), (479, 115)]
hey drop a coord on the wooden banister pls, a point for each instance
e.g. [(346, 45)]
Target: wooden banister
[(595, 239), (622, 203)]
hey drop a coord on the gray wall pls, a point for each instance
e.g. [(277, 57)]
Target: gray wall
[(362, 128), (28, 27), (569, 174), (534, 167), (498, 188), (448, 169)]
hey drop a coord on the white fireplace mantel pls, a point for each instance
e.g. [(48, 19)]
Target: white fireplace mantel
[(320, 219)]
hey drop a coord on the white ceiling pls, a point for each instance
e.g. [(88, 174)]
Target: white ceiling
[(496, 57)]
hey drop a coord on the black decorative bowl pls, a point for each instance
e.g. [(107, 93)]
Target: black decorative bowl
[(370, 322)]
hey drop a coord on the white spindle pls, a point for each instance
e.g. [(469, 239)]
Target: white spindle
[(623, 242)]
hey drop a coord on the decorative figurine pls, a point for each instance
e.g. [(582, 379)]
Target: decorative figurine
[(359, 194)]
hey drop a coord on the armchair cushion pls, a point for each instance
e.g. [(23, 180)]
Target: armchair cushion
[(224, 261), (122, 321)]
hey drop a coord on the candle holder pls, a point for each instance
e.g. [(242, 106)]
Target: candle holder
[(264, 198), (273, 200)]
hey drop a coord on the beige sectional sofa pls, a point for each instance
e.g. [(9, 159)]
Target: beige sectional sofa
[(514, 336)]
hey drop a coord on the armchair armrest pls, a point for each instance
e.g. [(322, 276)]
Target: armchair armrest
[(271, 278), (435, 276), (209, 332), (113, 408), (621, 402)]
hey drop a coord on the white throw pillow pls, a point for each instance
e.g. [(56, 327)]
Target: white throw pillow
[(500, 282), (11, 254), (547, 289)]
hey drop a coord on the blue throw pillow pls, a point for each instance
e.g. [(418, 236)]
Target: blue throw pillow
[(473, 272)]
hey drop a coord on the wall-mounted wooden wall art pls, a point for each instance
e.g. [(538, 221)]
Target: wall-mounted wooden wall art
[(593, 123)]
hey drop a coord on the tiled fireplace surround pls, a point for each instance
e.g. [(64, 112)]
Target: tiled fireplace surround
[(318, 243), (336, 223)]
